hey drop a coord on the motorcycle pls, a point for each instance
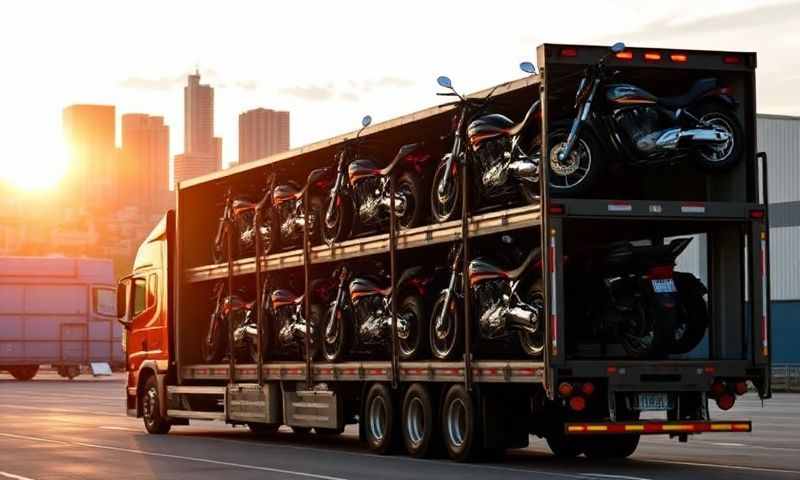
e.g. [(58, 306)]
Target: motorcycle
[(361, 199), (503, 156), (634, 297), (239, 215), (287, 211), (359, 318), (285, 311), (507, 303), (642, 129), (231, 309)]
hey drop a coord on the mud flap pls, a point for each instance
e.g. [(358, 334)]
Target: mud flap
[(503, 426)]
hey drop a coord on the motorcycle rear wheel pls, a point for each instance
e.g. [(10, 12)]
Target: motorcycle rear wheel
[(410, 186), (693, 320), (446, 343), (532, 344), (641, 339), (341, 226), (728, 155), (444, 210), (412, 346), (336, 345)]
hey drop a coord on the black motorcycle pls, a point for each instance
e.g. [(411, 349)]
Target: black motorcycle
[(285, 316), (635, 298), (626, 122), (287, 209), (503, 157), (231, 310), (360, 199), (508, 303), (239, 215), (359, 318)]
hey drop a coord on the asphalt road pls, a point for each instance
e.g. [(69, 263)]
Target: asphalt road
[(56, 429)]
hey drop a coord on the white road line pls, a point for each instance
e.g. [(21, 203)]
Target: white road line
[(727, 444), (13, 477), (63, 410), (35, 439), (619, 477), (727, 467), (127, 429)]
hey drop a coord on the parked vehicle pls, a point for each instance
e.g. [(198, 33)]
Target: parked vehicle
[(628, 123), (503, 156), (239, 216), (634, 297), (360, 199), (359, 319)]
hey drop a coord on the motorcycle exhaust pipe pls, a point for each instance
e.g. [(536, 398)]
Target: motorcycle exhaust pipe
[(524, 170), (523, 318)]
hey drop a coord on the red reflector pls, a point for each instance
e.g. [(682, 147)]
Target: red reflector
[(568, 52), (577, 404), (627, 55), (732, 59), (726, 401), (740, 388), (557, 209), (565, 389), (660, 271), (652, 56), (717, 388), (611, 369), (756, 213), (678, 57), (587, 388)]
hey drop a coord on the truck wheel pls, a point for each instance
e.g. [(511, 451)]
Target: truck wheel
[(380, 417), (263, 428), (23, 372), (460, 426), (151, 409), (611, 446), (69, 371), (420, 432), (564, 447)]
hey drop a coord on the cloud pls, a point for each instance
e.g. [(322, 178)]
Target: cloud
[(350, 90), (161, 83), (313, 93)]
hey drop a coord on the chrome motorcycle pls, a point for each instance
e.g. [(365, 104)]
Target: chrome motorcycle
[(287, 209), (231, 310), (239, 216), (624, 121), (285, 313), (359, 318), (361, 195), (508, 303), (503, 156)]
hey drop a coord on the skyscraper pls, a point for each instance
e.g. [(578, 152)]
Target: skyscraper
[(262, 132), (143, 173), (202, 151), (89, 133)]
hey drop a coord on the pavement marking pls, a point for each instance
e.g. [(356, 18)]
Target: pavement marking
[(62, 410), (35, 439), (620, 477), (12, 476), (127, 429), (727, 444), (728, 467)]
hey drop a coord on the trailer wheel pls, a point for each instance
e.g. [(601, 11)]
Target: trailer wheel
[(151, 409), (263, 428), (380, 420), (460, 426), (420, 432), (611, 446), (564, 447), (24, 373), (68, 371)]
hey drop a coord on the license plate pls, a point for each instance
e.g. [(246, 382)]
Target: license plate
[(664, 285), (653, 401)]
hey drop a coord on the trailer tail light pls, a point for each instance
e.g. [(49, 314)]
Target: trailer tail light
[(587, 389), (568, 52), (740, 388), (577, 404), (660, 272), (726, 401), (656, 427), (556, 209), (732, 59), (757, 214), (565, 389), (652, 56), (626, 55), (678, 57), (717, 388)]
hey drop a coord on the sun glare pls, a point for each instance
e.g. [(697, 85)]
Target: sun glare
[(40, 171)]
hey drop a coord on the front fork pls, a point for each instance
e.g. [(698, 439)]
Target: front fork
[(333, 197), (451, 286), (577, 124)]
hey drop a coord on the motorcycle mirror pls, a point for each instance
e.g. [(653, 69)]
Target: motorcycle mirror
[(617, 47), (507, 239), (444, 82), (528, 67), (366, 121)]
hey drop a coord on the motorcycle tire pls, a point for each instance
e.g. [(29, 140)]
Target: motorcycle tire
[(719, 116), (219, 252), (410, 184), (693, 317), (336, 346), (267, 231), (413, 346), (587, 145), (315, 212), (452, 209), (266, 341), (215, 352), (342, 224), (314, 320), (642, 340), (532, 344), (451, 344)]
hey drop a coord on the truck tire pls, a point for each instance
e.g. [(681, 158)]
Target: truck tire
[(23, 373), (610, 446), (263, 429), (460, 425), (69, 371), (381, 420), (420, 429), (563, 447), (154, 423)]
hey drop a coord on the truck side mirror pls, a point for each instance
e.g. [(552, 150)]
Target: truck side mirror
[(122, 304)]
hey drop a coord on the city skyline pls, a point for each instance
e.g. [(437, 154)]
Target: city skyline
[(262, 132)]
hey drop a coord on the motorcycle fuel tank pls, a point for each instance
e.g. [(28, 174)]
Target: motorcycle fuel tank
[(626, 94), (281, 297), (488, 126), (482, 269), (362, 287), (362, 168), (283, 193)]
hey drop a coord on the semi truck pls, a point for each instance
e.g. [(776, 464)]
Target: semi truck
[(582, 396), (57, 311)]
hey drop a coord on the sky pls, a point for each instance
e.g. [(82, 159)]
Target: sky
[(329, 63)]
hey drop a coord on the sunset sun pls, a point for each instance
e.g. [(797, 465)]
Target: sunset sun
[(38, 168)]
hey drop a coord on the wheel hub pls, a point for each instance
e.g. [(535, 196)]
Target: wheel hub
[(565, 167)]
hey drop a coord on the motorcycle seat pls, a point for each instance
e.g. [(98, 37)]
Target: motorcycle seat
[(402, 153), (698, 89), (529, 118), (535, 255), (243, 203)]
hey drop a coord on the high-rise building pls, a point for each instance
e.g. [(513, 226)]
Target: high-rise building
[(89, 133), (262, 132), (202, 150), (143, 173)]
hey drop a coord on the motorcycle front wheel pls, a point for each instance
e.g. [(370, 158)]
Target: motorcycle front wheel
[(339, 226), (447, 339), (215, 351), (720, 157), (532, 344), (445, 206), (577, 174), (409, 186), (410, 341), (336, 335), (313, 321)]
